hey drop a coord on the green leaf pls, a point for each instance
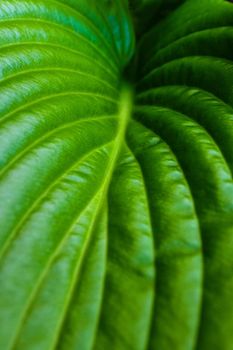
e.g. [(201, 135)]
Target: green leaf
[(116, 191), (177, 242)]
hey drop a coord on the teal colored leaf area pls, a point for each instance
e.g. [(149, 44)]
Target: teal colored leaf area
[(116, 162)]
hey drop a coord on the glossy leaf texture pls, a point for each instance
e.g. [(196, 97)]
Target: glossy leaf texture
[(116, 198), (185, 96)]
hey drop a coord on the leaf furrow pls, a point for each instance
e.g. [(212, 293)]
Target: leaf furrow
[(52, 258), (45, 137), (77, 36)]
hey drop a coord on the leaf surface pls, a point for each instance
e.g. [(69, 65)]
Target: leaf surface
[(116, 197)]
